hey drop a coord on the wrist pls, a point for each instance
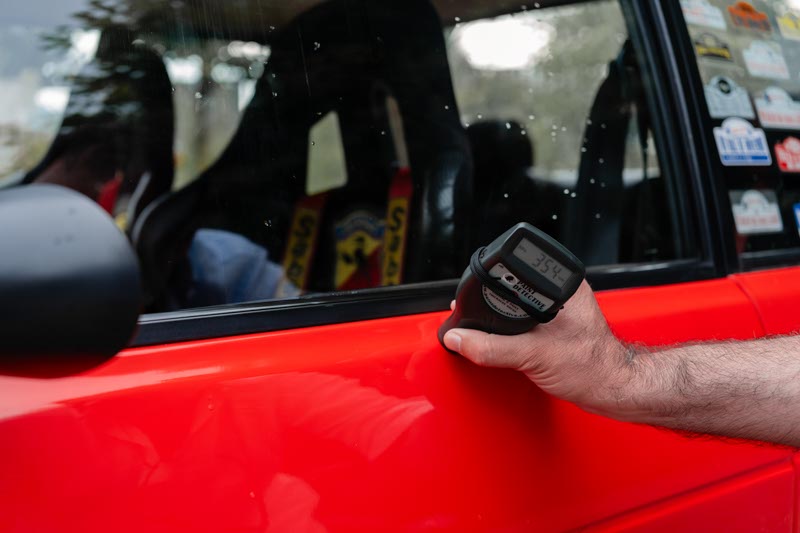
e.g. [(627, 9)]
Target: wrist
[(621, 392)]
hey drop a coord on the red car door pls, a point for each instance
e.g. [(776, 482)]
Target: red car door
[(342, 412), (371, 425)]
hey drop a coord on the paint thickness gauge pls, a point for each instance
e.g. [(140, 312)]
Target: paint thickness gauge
[(520, 280)]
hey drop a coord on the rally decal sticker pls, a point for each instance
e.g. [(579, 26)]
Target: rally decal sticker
[(744, 15), (740, 144), (765, 60), (756, 212), (787, 153), (789, 26), (726, 98), (359, 237), (710, 46), (776, 109), (701, 13)]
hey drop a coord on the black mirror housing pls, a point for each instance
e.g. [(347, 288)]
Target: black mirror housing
[(70, 289)]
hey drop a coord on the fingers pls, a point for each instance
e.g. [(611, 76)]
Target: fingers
[(485, 349), (452, 305)]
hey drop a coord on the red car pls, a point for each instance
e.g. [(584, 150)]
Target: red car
[(298, 187)]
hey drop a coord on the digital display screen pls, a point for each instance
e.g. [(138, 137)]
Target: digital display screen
[(542, 263)]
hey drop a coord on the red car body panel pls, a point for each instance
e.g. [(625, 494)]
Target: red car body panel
[(373, 426)]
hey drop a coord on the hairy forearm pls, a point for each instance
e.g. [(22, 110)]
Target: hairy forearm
[(748, 389)]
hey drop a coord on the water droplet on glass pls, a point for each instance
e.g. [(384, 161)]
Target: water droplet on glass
[(563, 128), (583, 150), (566, 191), (603, 125), (313, 143), (505, 195), (555, 217), (601, 160), (597, 216), (447, 107), (589, 121), (573, 195), (537, 5), (602, 184), (480, 116), (383, 132), (508, 125), (268, 223), (198, 95), (554, 127), (457, 19), (531, 117), (317, 46), (524, 132), (591, 181), (274, 94)]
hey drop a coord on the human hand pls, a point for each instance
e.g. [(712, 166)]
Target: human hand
[(575, 357)]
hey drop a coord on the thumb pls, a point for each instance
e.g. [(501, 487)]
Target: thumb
[(485, 349)]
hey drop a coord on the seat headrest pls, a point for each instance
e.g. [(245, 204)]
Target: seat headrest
[(499, 147), (124, 93)]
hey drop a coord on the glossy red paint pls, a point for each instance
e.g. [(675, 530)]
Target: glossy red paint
[(370, 426), (776, 295)]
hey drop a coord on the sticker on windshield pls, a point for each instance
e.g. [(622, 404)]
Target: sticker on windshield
[(777, 110), (726, 98), (756, 211), (765, 60), (740, 144), (789, 26), (710, 46), (744, 15), (796, 208), (701, 13), (787, 153)]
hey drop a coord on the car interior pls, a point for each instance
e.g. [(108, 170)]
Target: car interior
[(391, 94)]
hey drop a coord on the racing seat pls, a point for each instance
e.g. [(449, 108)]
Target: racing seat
[(122, 97), (503, 161), (608, 222), (343, 57)]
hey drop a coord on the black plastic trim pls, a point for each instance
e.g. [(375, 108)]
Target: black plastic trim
[(770, 259), (368, 304), (698, 128), (305, 311)]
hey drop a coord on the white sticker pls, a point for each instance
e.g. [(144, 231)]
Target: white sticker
[(789, 25), (726, 98), (503, 306), (765, 60), (522, 289), (756, 212), (787, 154), (701, 13), (740, 144), (776, 109)]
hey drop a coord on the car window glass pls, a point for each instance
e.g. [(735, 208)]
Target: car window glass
[(273, 150), (748, 57)]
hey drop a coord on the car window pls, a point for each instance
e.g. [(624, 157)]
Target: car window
[(748, 57), (273, 151)]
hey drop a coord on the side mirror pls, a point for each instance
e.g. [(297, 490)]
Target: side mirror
[(70, 292)]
